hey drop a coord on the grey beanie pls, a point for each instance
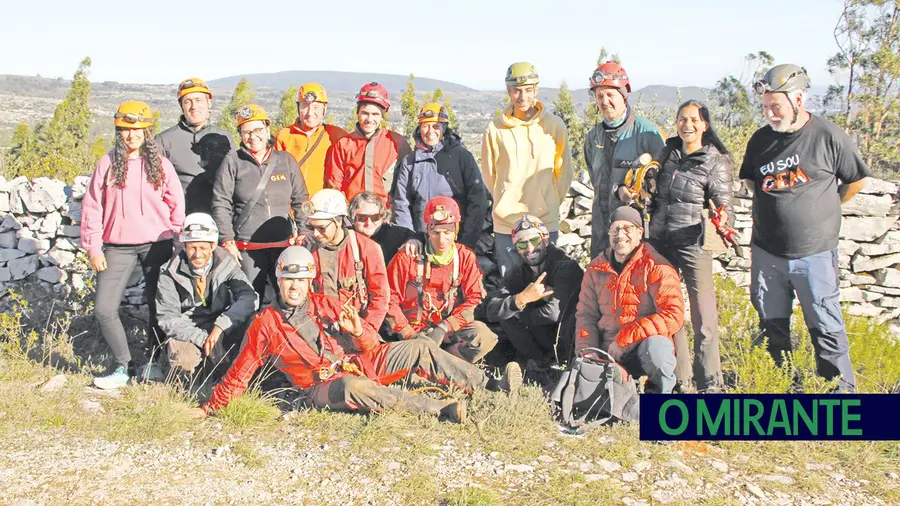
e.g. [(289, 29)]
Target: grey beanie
[(627, 213)]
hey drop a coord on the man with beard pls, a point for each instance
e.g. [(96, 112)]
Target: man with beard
[(537, 297), (204, 299), (631, 304), (194, 146), (802, 167), (614, 146), (334, 358)]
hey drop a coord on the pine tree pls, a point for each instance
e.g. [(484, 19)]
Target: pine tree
[(287, 110), (452, 114), (70, 127), (565, 108), (409, 108), (350, 126), (243, 94)]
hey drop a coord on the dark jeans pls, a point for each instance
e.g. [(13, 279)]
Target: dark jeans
[(695, 266), (815, 279), (120, 263), (537, 343), (259, 266)]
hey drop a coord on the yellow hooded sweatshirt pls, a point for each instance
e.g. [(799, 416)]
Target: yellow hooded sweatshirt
[(527, 167)]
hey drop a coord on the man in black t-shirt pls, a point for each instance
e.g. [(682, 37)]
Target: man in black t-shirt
[(802, 168)]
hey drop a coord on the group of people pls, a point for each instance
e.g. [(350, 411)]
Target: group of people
[(358, 260)]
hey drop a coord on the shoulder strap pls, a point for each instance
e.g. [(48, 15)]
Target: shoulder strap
[(312, 148), (257, 193), (358, 265)]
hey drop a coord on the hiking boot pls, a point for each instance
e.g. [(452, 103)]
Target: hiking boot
[(117, 379), (715, 389), (151, 371), (454, 412), (682, 387), (511, 380)]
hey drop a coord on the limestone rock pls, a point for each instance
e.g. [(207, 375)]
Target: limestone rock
[(889, 302), (852, 294), (20, 268), (865, 264), (51, 223), (68, 244), (569, 240), (848, 248), (874, 250), (579, 188), (888, 277), (892, 237), (868, 205), (5, 274), (60, 257), (871, 296), (4, 203), (878, 186), (565, 207), (10, 223), (79, 187), (72, 210), (864, 309), (31, 246), (860, 279), (9, 254), (43, 195), (54, 384), (883, 290), (52, 274), (8, 239), (78, 282), (865, 229), (70, 230)]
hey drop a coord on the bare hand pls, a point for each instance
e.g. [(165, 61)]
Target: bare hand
[(535, 291), (297, 240), (350, 321), (98, 262), (232, 248), (625, 194), (211, 341), (412, 247)]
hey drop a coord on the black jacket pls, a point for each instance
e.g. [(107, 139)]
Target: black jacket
[(684, 187), (391, 238), (270, 218)]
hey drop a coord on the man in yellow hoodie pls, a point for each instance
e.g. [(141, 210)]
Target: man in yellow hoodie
[(309, 138), (525, 161)]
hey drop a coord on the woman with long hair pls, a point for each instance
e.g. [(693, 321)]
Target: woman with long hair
[(132, 210), (696, 170)]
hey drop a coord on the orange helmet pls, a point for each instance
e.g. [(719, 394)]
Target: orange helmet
[(133, 114), (374, 93), (191, 85), (250, 112), (433, 113), (611, 74), (442, 211), (312, 92)]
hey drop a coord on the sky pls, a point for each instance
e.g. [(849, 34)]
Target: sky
[(470, 42)]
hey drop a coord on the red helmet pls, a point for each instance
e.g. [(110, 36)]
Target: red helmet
[(442, 211), (611, 74), (374, 93)]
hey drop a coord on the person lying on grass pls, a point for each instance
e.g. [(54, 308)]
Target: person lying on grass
[(336, 360)]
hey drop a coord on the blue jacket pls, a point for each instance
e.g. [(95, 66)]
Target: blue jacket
[(609, 153), (449, 170)]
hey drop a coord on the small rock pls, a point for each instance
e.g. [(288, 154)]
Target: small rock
[(627, 501), (52, 275), (60, 257), (393, 466), (663, 496), (8, 239), (4, 276), (679, 465), (9, 254), (590, 478), (786, 469), (719, 466), (629, 477), (893, 476), (78, 282), (586, 467), (51, 223), (67, 244), (31, 245), (609, 466), (641, 466), (777, 478), (221, 450), (10, 223), (70, 230), (755, 490), (91, 406), (519, 468), (837, 476), (20, 268), (546, 459), (54, 384)]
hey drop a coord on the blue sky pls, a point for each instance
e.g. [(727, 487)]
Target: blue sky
[(471, 42)]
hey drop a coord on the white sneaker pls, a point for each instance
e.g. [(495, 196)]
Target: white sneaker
[(117, 379)]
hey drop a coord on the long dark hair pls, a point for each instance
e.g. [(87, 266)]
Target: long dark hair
[(150, 154), (709, 136)]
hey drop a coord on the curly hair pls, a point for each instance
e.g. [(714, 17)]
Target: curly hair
[(370, 198), (150, 154)]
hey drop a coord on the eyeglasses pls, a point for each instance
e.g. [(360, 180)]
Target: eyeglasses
[(763, 86), (628, 229), (257, 132), (534, 242), (371, 218), (132, 118), (319, 228)]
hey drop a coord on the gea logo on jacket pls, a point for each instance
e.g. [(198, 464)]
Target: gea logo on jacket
[(782, 174), (278, 177)]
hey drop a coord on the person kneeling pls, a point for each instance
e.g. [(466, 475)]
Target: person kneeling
[(334, 357), (631, 304), (204, 299), (435, 297)]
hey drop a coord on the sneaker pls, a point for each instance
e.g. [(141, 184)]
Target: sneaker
[(151, 371), (117, 379), (512, 378), (454, 412)]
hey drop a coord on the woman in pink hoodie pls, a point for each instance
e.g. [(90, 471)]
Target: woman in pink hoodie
[(133, 209)]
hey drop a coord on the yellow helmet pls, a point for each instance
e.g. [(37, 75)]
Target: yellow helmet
[(521, 74), (312, 92), (433, 113), (250, 112), (191, 85), (133, 114)]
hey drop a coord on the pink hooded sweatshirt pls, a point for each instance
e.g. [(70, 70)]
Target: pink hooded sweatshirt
[(135, 214)]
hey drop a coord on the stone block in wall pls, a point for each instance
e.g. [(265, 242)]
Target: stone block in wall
[(10, 223), (888, 277), (77, 281), (79, 186), (569, 240), (868, 205), (571, 225), (871, 296), (8, 239), (743, 237), (863, 263), (740, 278), (51, 223), (742, 204), (5, 274), (852, 294), (21, 268), (586, 231), (60, 257), (42, 195), (717, 267), (72, 210), (844, 283), (52, 274), (565, 207), (864, 309), (9, 254), (865, 229), (737, 263), (4, 203), (583, 203), (68, 244), (860, 279), (888, 316), (70, 230), (844, 262), (33, 245), (873, 250), (847, 248), (892, 237), (878, 186), (579, 188), (884, 289), (889, 302)]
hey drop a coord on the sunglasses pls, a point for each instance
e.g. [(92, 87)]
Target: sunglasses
[(534, 242), (319, 228), (371, 218)]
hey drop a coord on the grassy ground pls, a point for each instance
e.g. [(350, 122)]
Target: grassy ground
[(80, 446)]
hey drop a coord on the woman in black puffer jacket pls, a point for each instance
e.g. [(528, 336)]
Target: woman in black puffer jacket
[(696, 169)]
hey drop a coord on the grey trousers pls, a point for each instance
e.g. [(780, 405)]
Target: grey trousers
[(815, 279), (653, 357)]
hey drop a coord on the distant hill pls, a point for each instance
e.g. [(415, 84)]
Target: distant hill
[(337, 81)]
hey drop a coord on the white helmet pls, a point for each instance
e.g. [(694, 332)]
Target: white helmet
[(199, 227), (326, 204), (296, 262)]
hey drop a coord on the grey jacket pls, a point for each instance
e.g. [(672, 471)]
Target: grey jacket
[(196, 156), (609, 153), (684, 187), (230, 299), (270, 218)]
